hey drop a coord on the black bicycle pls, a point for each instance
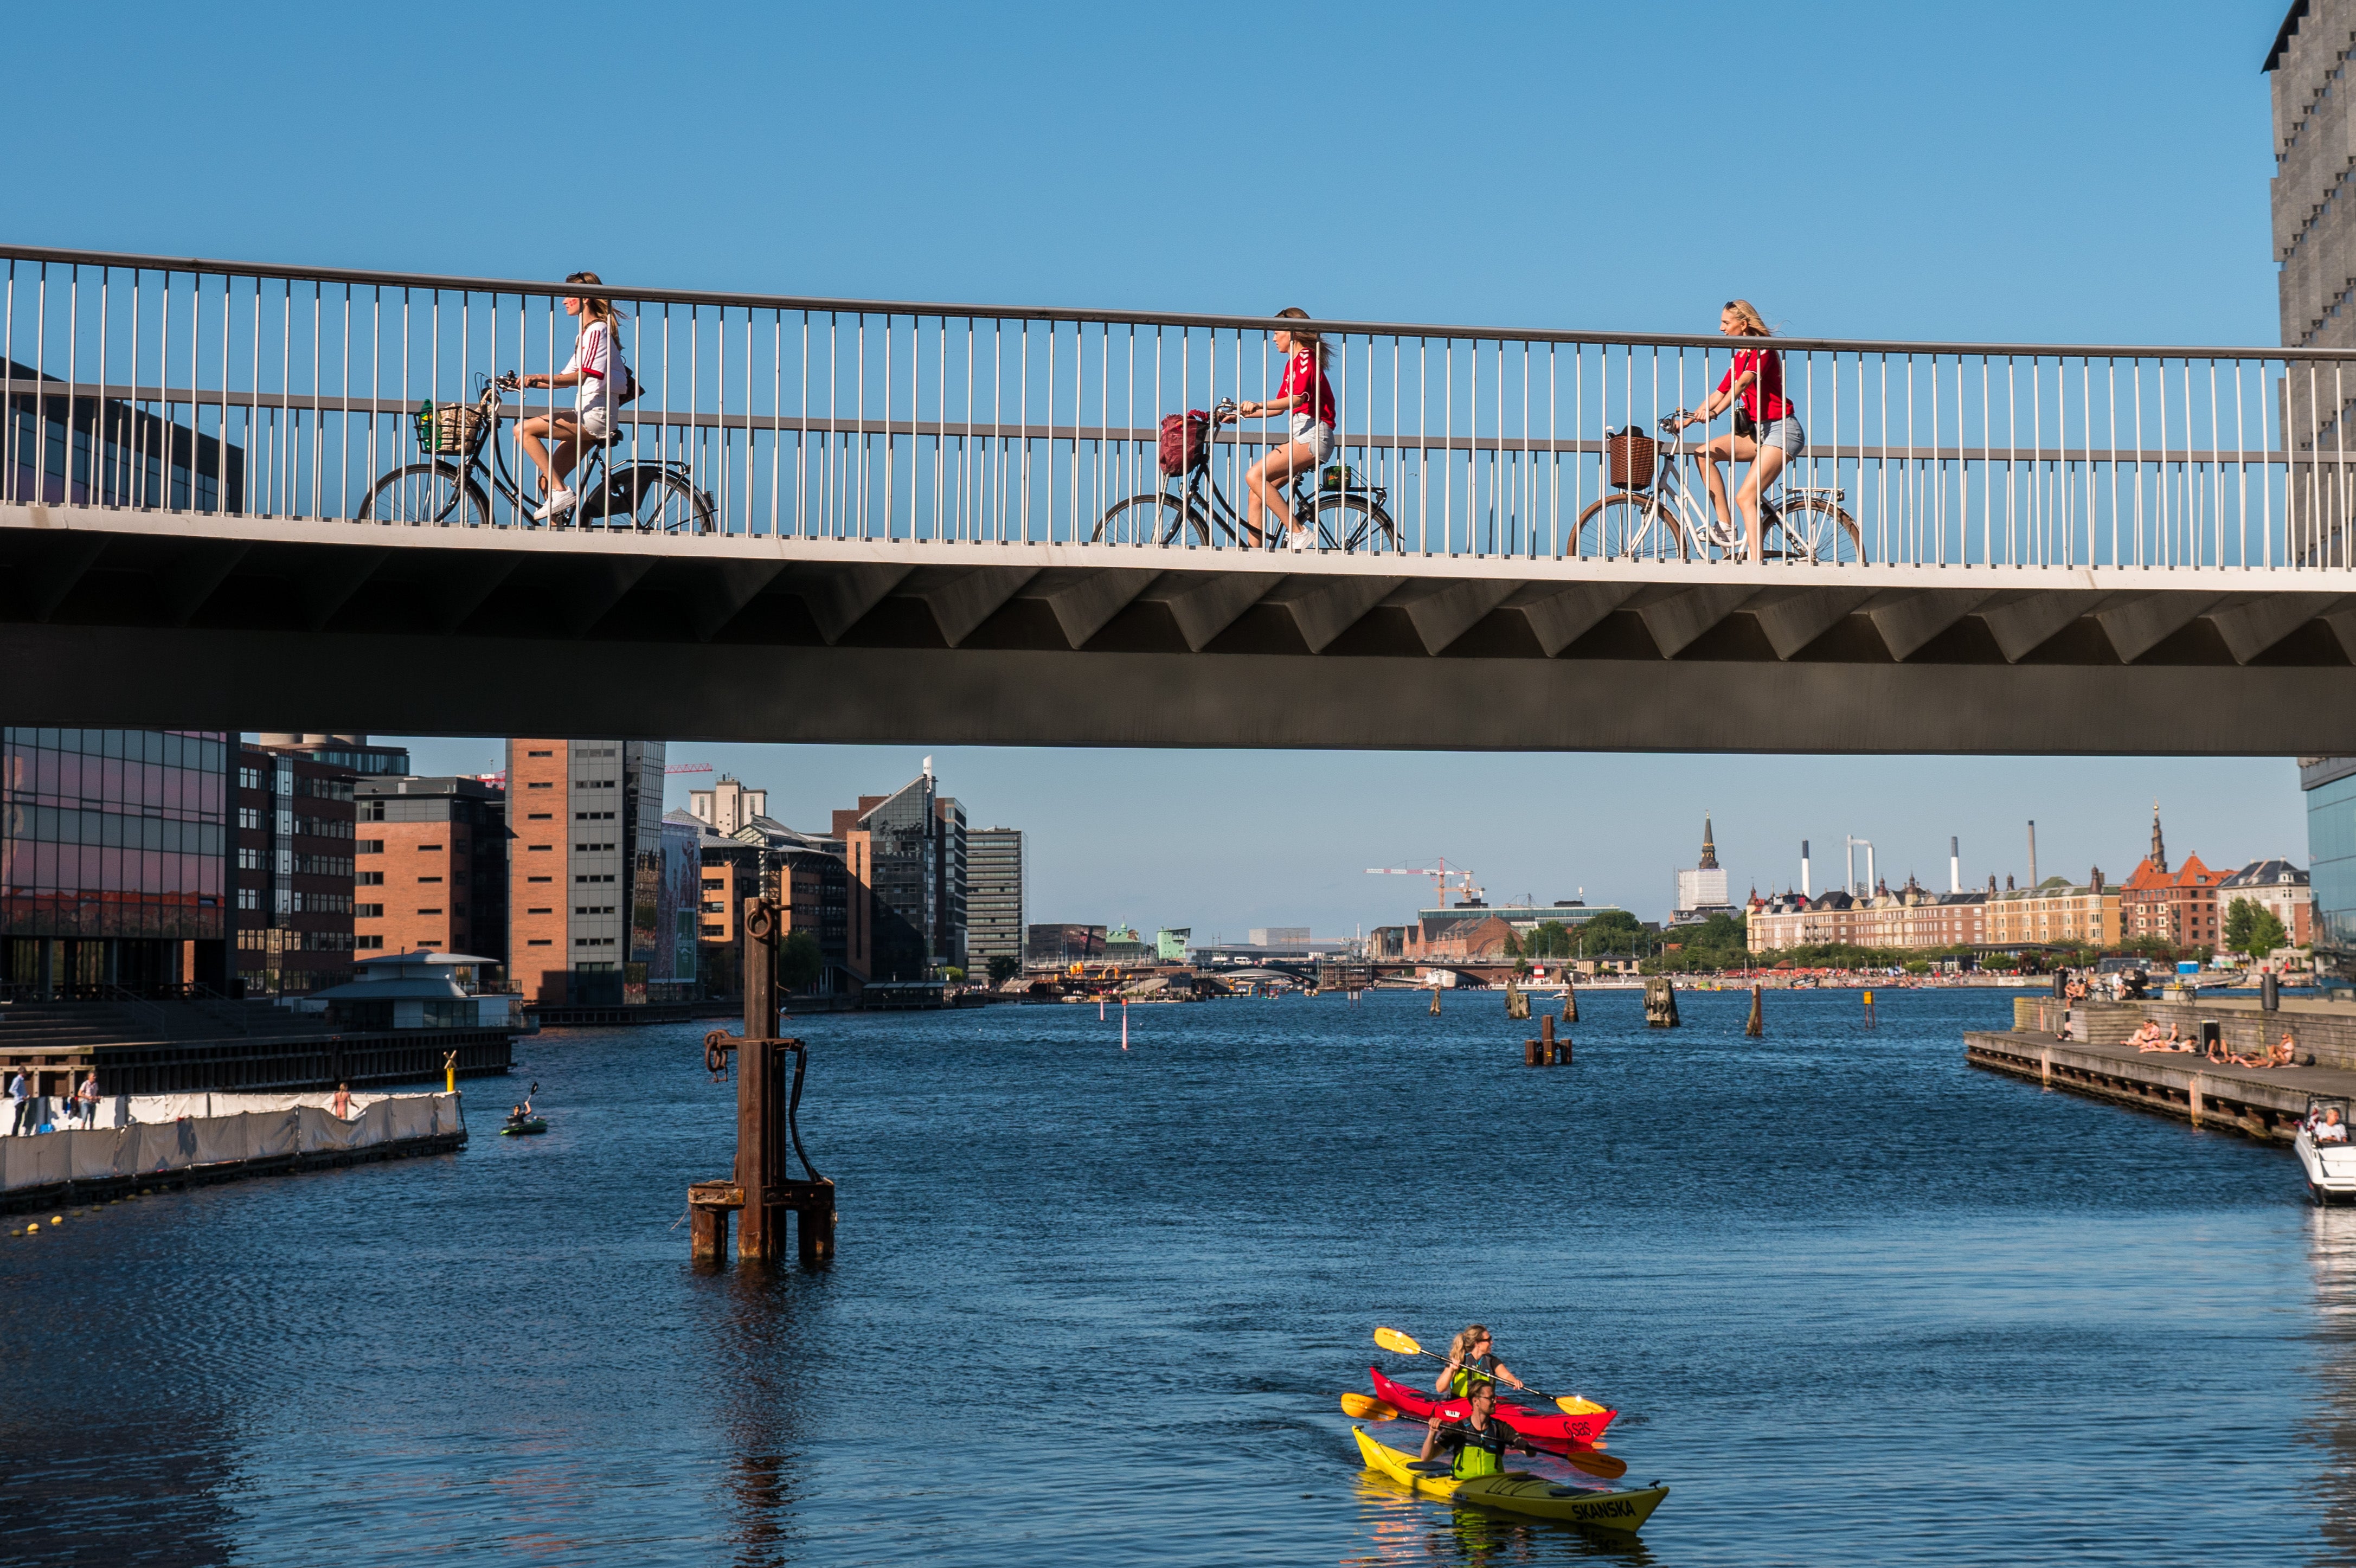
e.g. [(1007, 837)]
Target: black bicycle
[(449, 486), (1345, 511)]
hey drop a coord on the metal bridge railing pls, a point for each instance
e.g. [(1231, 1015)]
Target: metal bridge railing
[(164, 383)]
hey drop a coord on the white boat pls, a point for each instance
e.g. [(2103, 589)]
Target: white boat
[(2331, 1166)]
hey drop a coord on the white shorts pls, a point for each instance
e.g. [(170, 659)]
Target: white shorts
[(596, 421), (1320, 437)]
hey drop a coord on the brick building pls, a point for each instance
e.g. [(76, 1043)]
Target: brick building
[(434, 867), (2179, 907), (295, 849), (586, 816)]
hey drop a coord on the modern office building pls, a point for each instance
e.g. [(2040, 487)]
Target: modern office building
[(296, 852), (2329, 784), (994, 896), (908, 848), (1279, 936), (85, 450), (2315, 252), (727, 806), (728, 872), (433, 862), (114, 855), (1060, 946), (352, 753), (587, 847), (810, 876)]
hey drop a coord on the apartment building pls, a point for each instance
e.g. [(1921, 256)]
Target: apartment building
[(433, 868), (586, 818), (293, 877), (2279, 887)]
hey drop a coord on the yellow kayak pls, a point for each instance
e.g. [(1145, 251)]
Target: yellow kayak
[(1517, 1491)]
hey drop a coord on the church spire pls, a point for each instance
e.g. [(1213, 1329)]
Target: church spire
[(2158, 845), (1708, 846)]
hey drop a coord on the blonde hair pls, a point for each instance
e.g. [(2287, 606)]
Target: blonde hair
[(1460, 1348), (594, 307), (1300, 334), (1748, 314)]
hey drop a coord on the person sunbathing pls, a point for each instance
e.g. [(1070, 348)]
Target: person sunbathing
[(2146, 1037)]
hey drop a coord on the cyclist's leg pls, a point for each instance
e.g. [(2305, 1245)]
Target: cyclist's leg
[(566, 426), (1715, 453), (1767, 464), (1266, 485), (528, 441)]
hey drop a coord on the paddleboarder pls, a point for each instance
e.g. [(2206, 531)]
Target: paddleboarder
[(1478, 1444)]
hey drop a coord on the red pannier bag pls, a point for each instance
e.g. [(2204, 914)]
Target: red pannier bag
[(1185, 442)]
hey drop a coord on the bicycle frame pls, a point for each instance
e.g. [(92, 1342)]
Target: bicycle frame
[(590, 481)]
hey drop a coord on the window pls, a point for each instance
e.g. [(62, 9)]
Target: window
[(591, 849), (249, 778), (252, 816), (593, 817), (539, 911), (536, 942), (540, 754), (537, 848), (370, 879), (429, 879), (249, 898), (539, 783), (540, 817), (369, 942), (429, 849), (252, 859), (428, 944), (593, 909), (369, 846), (369, 911), (710, 930), (592, 876), (429, 911), (535, 879), (593, 942)]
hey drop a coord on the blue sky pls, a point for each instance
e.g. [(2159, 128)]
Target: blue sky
[(1996, 171)]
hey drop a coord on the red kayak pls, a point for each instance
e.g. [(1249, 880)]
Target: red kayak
[(1544, 1425)]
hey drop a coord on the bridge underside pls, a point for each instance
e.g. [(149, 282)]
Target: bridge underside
[(114, 618)]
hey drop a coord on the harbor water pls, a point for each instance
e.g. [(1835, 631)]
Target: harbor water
[(1857, 1303)]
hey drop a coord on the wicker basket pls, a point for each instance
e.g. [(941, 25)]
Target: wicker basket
[(451, 427), (1631, 454)]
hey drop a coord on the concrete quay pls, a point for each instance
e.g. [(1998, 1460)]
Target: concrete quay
[(2324, 1030), (2264, 1105)]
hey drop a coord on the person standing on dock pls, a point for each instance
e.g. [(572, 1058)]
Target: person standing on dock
[(21, 1094), (342, 1105), (86, 1098)]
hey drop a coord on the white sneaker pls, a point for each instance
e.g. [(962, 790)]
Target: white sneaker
[(1300, 543), (560, 501)]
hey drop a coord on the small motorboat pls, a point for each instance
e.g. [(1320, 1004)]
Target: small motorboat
[(2330, 1164)]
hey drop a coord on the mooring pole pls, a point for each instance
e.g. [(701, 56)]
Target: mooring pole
[(1757, 1027)]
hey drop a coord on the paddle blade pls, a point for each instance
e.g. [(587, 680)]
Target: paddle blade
[(1365, 1407), (1579, 1407), (1603, 1467), (1392, 1340)]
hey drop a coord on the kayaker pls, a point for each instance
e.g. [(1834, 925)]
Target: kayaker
[(1478, 1443), (1470, 1360)]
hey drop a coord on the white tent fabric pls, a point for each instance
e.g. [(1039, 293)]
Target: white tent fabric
[(143, 1147)]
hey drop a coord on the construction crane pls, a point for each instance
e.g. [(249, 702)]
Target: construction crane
[(1441, 876)]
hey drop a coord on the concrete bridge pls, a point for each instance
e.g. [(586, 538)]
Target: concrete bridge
[(842, 521)]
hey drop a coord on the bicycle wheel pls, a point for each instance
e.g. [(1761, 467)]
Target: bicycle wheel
[(427, 492), (650, 498), (1155, 518), (1630, 525), (1815, 528), (1355, 524)]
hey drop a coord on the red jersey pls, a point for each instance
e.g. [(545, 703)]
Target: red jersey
[(1769, 382), (1303, 374)]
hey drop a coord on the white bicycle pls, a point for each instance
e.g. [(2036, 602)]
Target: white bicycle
[(1656, 514)]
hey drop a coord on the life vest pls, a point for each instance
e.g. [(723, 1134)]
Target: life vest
[(1460, 1385), (1473, 1460)]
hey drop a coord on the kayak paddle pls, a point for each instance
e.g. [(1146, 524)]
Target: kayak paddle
[(1604, 1467), (1393, 1340)]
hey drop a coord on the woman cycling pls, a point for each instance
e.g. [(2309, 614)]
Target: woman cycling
[(597, 369), (1767, 432), (1307, 396)]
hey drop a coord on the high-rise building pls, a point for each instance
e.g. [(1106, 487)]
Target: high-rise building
[(353, 753), (297, 851), (994, 896), (808, 875), (586, 815), (908, 848), (115, 855), (2315, 252), (2329, 784), (433, 867)]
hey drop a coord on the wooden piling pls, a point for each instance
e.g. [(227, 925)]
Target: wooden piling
[(1757, 1027), (1435, 1001), (1532, 1056), (1517, 1001), (1660, 1003), (1555, 1052), (1570, 999)]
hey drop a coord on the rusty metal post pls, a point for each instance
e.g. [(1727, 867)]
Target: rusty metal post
[(706, 1232), (759, 1233)]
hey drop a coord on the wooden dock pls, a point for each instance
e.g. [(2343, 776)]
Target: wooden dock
[(2265, 1104)]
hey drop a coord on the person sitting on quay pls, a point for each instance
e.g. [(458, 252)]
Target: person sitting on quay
[(2146, 1037)]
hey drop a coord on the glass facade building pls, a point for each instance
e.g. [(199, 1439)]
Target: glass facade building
[(2330, 786), (994, 896), (114, 850)]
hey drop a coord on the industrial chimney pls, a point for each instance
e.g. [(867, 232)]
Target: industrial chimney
[(2032, 853), (1954, 865), (1805, 890)]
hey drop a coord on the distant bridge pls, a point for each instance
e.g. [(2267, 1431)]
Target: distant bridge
[(887, 522)]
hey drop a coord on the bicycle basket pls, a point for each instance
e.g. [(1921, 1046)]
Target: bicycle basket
[(1338, 478), (451, 427), (1632, 455), (1185, 442)]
